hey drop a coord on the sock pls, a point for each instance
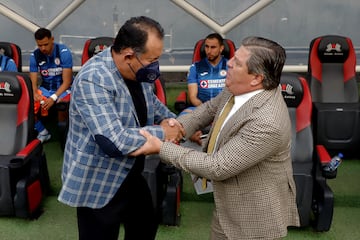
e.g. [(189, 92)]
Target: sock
[(44, 132), (39, 126)]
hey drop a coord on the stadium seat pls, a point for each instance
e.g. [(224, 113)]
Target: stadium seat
[(93, 46), (313, 196), (13, 51), (334, 90), (181, 101), (23, 168)]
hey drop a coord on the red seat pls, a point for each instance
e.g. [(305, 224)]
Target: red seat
[(332, 63), (313, 196), (93, 46), (334, 90), (13, 51), (23, 169)]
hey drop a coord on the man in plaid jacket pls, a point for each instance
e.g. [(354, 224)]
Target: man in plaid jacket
[(112, 97)]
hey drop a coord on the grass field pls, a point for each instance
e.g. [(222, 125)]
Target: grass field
[(58, 222)]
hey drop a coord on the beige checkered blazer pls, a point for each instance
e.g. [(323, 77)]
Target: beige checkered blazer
[(254, 189)]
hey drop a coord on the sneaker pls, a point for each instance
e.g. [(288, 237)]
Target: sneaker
[(44, 137)]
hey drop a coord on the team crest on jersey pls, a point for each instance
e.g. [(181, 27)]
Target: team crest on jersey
[(223, 73), (204, 84), (57, 61), (44, 73)]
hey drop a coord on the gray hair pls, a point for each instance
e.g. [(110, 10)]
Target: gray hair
[(267, 58)]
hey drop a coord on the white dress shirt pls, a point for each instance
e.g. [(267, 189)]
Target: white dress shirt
[(239, 101)]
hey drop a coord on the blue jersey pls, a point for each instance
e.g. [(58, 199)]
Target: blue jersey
[(7, 64), (51, 67), (210, 79)]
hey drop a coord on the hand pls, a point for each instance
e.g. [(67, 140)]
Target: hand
[(48, 103), (174, 131), (151, 146), (37, 96), (196, 137)]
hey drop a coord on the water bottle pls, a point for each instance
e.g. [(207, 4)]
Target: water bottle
[(334, 163)]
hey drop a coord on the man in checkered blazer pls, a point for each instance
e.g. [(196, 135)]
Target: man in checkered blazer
[(250, 167)]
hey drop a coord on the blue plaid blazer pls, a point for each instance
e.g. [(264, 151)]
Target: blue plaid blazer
[(103, 129)]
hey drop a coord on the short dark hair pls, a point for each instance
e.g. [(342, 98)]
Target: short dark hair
[(42, 33), (267, 58), (217, 36), (134, 34)]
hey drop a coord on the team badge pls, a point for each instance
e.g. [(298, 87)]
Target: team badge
[(57, 61), (223, 73), (44, 72), (204, 84)]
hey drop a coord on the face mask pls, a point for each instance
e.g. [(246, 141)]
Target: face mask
[(148, 73)]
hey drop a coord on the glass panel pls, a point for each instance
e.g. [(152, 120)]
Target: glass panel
[(40, 12), (221, 11), (295, 23)]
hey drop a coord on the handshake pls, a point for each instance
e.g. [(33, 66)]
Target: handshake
[(174, 131)]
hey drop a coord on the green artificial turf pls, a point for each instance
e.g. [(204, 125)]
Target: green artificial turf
[(172, 91), (59, 221)]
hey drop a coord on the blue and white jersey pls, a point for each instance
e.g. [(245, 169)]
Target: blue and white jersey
[(210, 79), (51, 67), (7, 64)]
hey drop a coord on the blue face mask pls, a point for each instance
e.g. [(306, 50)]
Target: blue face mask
[(148, 73)]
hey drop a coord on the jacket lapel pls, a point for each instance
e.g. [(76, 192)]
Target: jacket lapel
[(240, 116)]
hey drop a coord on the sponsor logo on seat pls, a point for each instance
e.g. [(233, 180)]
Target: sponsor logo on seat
[(100, 48), (6, 90), (288, 90), (333, 49), (5, 86)]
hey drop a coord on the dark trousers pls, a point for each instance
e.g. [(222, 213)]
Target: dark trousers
[(131, 206)]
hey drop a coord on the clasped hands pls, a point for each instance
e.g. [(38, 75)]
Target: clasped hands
[(174, 132)]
